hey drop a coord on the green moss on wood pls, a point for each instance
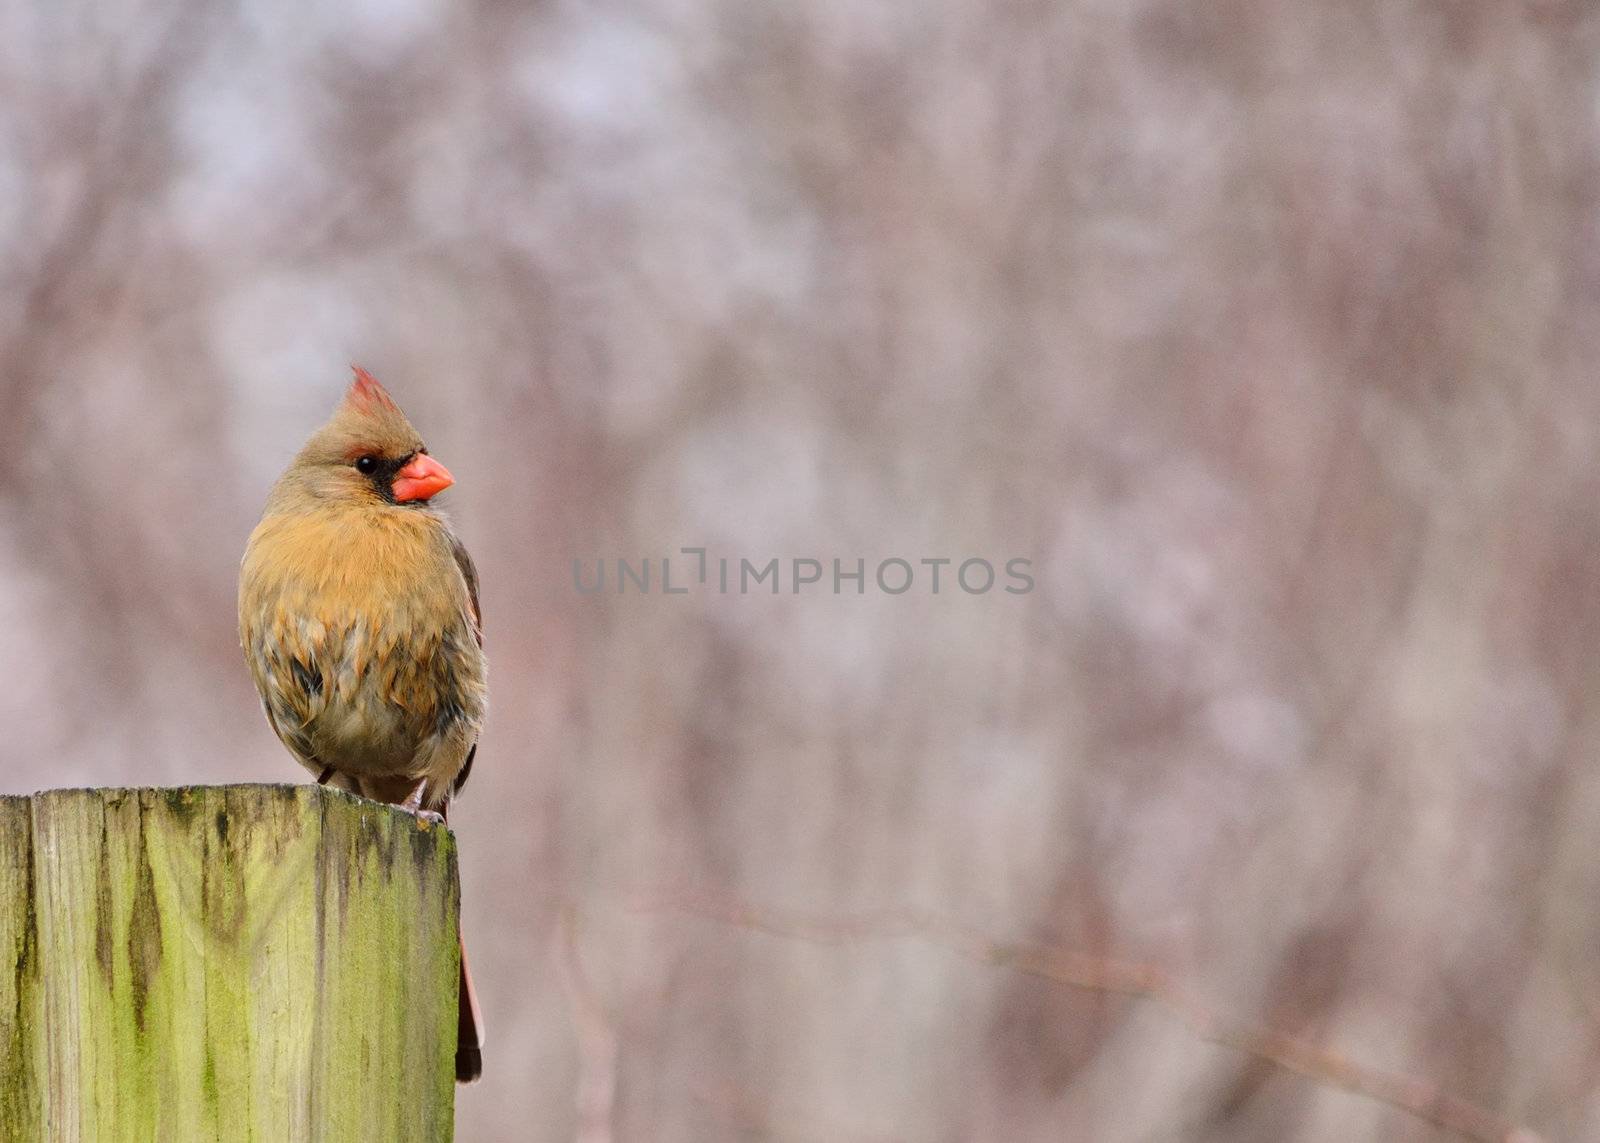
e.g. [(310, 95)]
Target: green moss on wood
[(246, 962)]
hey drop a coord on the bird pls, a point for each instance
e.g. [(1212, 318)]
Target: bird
[(359, 618)]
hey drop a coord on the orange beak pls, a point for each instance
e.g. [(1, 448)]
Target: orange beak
[(422, 479)]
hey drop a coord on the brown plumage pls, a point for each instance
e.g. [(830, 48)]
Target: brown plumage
[(358, 613)]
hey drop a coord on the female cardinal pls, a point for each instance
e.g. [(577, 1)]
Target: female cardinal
[(358, 613)]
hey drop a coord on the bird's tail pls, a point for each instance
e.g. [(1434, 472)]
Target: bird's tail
[(469, 1028)]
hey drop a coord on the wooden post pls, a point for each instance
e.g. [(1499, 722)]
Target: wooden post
[(229, 962)]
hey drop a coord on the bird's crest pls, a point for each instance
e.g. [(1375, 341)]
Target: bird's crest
[(367, 395)]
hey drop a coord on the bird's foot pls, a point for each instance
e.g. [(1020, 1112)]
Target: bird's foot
[(413, 805)]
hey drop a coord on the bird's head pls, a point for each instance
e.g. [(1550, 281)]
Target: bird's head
[(368, 452)]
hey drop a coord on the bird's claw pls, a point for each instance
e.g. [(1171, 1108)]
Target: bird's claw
[(425, 818)]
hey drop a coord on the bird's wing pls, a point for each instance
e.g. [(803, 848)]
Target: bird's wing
[(469, 572)]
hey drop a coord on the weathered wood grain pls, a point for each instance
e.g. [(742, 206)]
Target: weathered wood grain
[(234, 963)]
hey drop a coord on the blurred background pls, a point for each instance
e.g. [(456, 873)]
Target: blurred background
[(1266, 331)]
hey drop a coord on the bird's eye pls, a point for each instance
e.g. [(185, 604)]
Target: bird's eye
[(366, 465)]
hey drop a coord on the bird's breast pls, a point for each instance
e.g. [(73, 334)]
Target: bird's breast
[(360, 636)]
